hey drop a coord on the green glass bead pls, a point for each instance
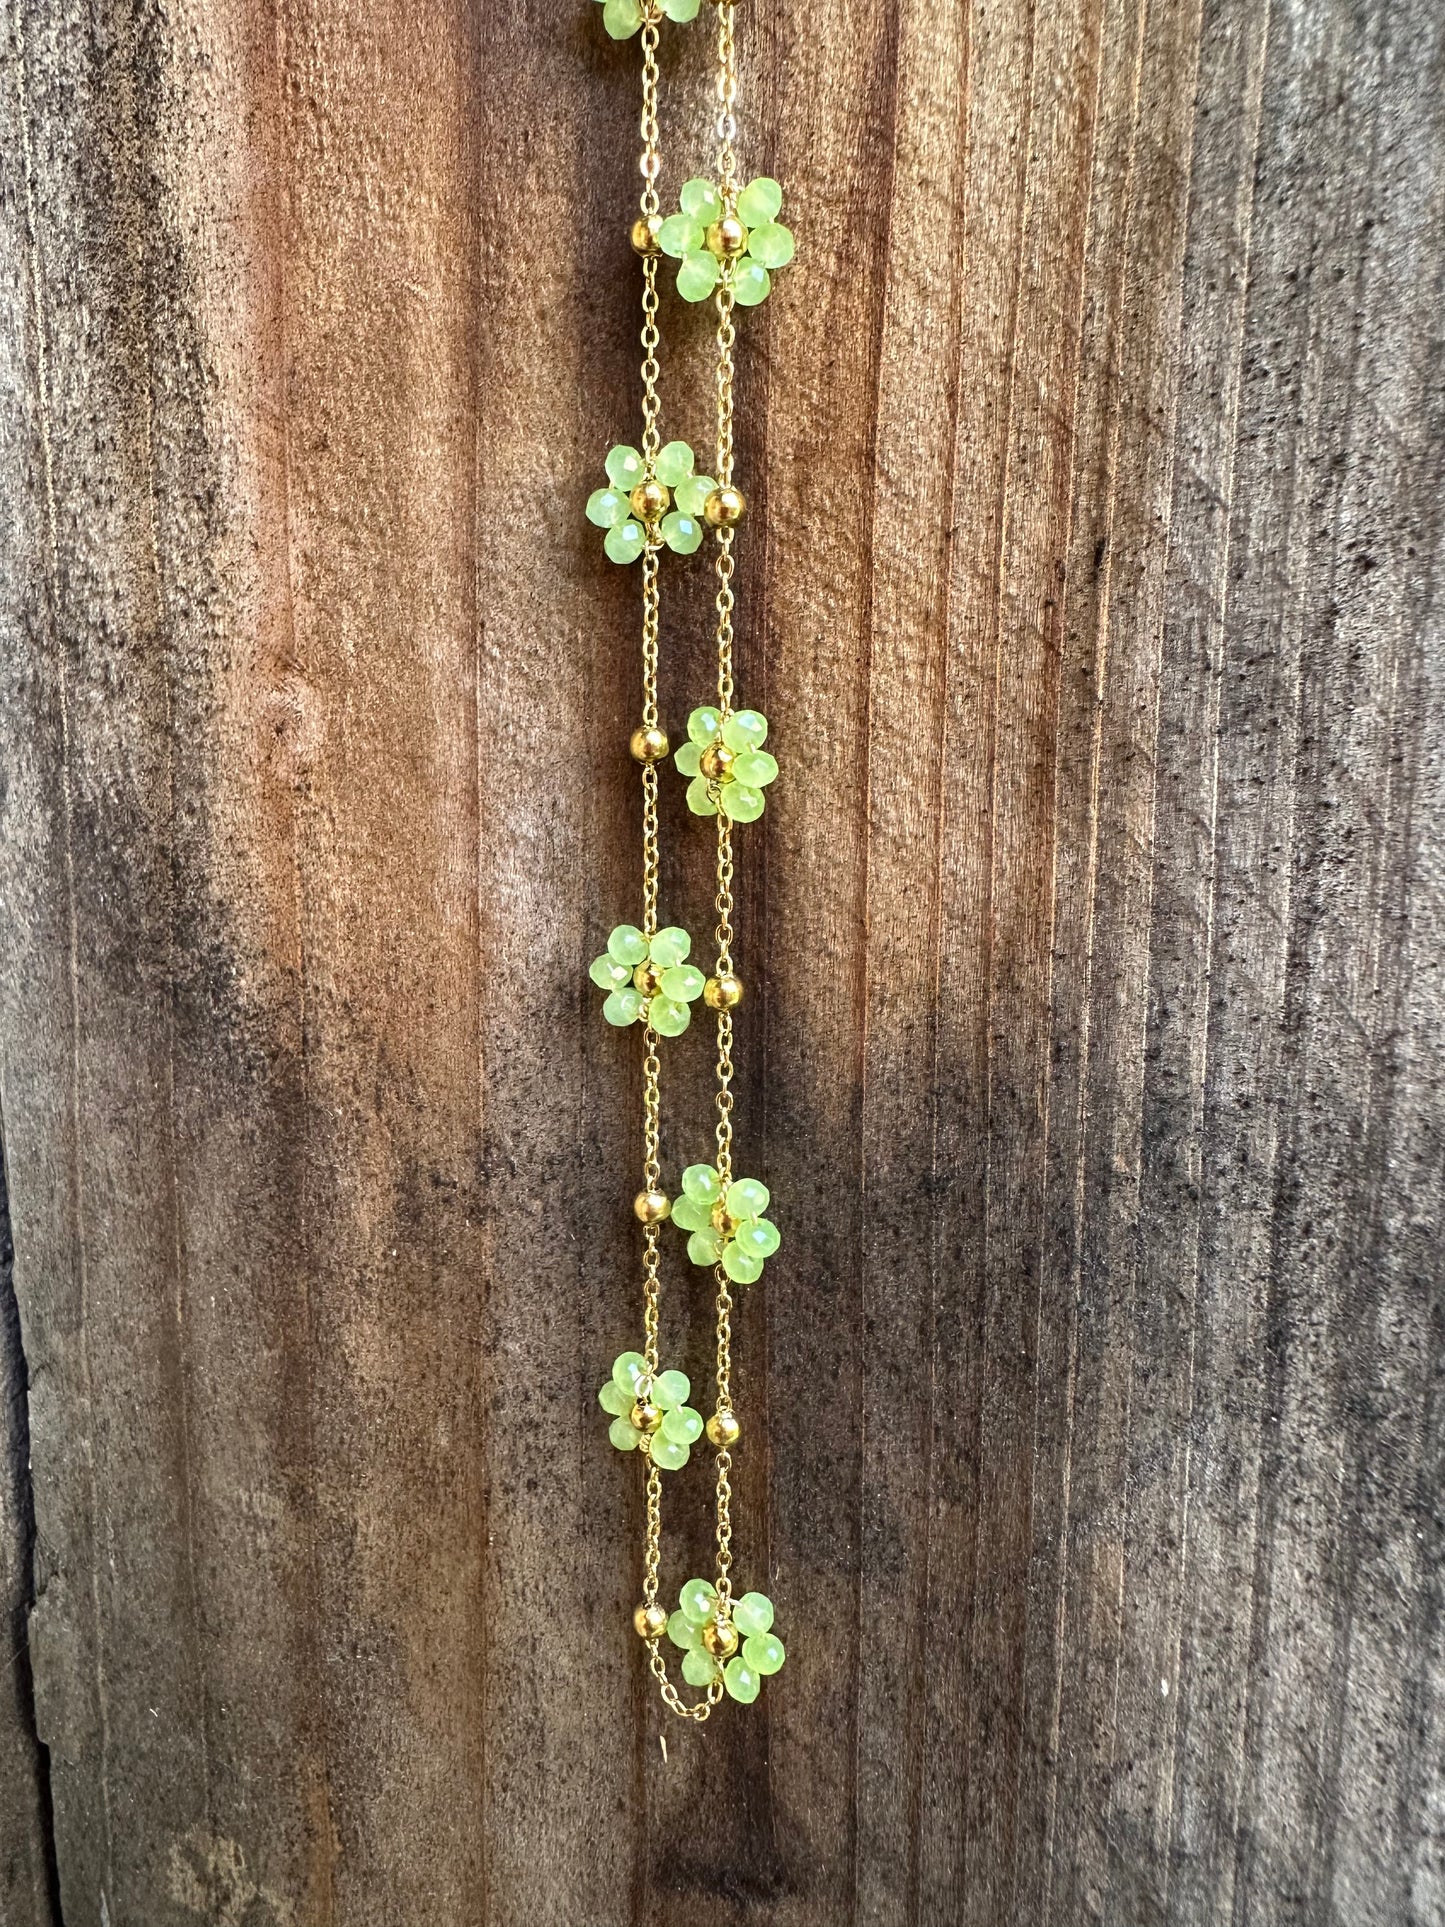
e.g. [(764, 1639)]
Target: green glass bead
[(683, 985), (748, 1199), (628, 945), (692, 493), (756, 767), (683, 1424), (698, 1600), (671, 1454), (753, 1615), (751, 283), (682, 533), (608, 974), (687, 759), (700, 199), (772, 244), (670, 946), (689, 1215), (621, 18), (625, 467), (760, 202), (699, 799), (740, 1265), (619, 1404), (697, 277), (628, 1371), (668, 1017), (606, 508), (702, 1183), (742, 803), (703, 725), (741, 1681), (758, 1237), (679, 236), (764, 1652), (681, 1631), (623, 1434), (673, 464), (624, 1007), (699, 1668), (624, 543), (671, 1389), (745, 729), (681, 10), (705, 1247)]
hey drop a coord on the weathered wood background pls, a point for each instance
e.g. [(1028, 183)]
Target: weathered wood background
[(1096, 1051)]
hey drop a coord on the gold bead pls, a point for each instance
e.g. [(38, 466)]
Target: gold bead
[(652, 1206), (648, 500), (646, 979), (716, 762), (722, 1222), (727, 238), (649, 745), (644, 234), (723, 993), (650, 1621), (645, 1416), (723, 1429), (720, 1636), (724, 507)]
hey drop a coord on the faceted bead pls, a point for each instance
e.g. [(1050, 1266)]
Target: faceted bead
[(673, 464), (628, 1371), (772, 244), (681, 1631), (698, 1600), (753, 1615), (701, 1181), (764, 1653), (625, 467), (698, 1667), (606, 508), (678, 236), (670, 946), (684, 984), (693, 491), (740, 1265), (703, 725), (628, 945), (683, 1424), (670, 1389), (745, 729), (704, 1247), (701, 200), (758, 1237), (623, 1434), (755, 766), (689, 1215), (670, 1454), (624, 543), (619, 1404), (741, 802), (760, 202), (741, 1681), (668, 1017), (608, 974), (686, 759), (621, 18), (748, 1199), (697, 277), (699, 799), (682, 533), (751, 283), (623, 1007)]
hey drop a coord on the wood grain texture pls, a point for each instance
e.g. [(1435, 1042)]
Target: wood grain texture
[(1095, 1056)]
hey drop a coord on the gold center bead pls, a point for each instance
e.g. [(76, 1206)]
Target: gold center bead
[(716, 762), (727, 238), (648, 501)]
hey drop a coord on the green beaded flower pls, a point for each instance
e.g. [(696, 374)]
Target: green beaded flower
[(729, 767), (710, 1638), (622, 18), (634, 510), (651, 1413), (648, 978), (742, 248), (727, 1226)]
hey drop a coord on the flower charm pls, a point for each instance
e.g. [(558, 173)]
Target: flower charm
[(634, 510), (622, 18), (710, 1637), (725, 759), (741, 247), (650, 1412), (647, 978), (728, 1227)]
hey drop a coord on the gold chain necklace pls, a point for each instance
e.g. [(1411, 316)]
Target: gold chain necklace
[(728, 242)]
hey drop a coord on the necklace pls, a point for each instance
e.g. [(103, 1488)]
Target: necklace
[(728, 242)]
